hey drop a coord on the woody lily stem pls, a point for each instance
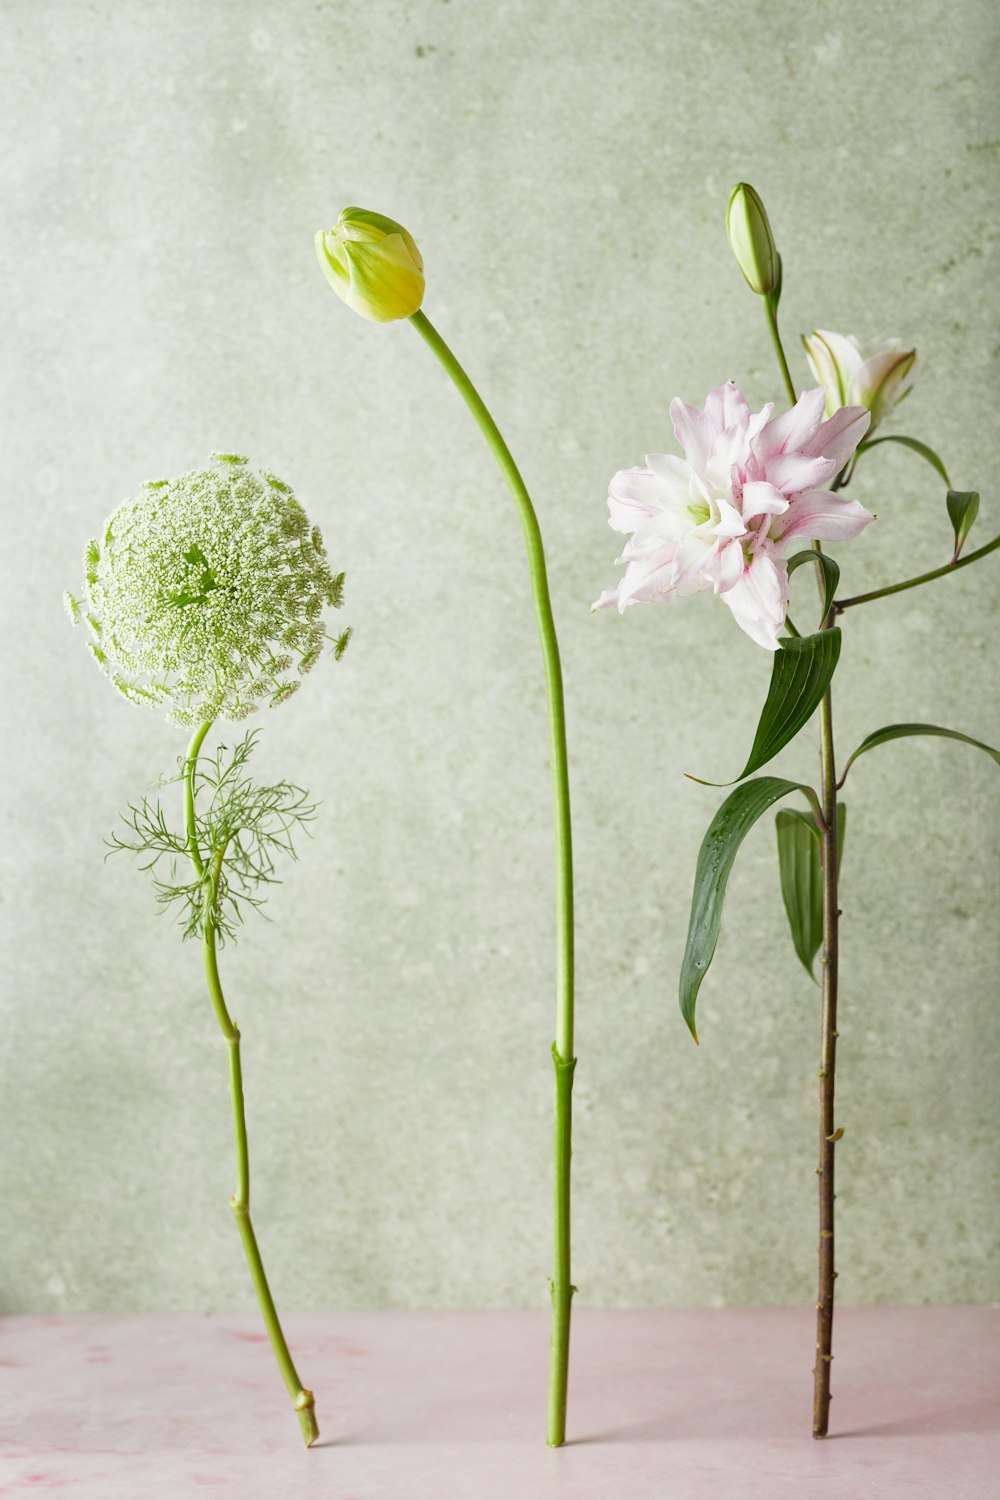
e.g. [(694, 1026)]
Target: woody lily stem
[(828, 1134), (561, 1287), (209, 871)]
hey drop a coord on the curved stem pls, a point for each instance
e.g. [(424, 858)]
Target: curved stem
[(190, 766), (239, 1203), (828, 1134), (561, 1287), (911, 583), (771, 314)]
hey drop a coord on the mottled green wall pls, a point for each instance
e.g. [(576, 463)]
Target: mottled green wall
[(565, 168)]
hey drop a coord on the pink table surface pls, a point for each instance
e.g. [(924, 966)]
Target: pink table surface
[(665, 1404)]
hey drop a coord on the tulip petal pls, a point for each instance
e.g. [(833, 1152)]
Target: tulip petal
[(385, 283)]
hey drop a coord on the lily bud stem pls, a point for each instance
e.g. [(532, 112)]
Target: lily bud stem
[(771, 313)]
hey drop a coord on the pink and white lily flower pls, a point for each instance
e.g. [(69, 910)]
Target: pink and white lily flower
[(722, 517), (877, 375)]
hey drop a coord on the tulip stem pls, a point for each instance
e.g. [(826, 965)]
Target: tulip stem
[(560, 1286), (209, 870), (912, 583), (771, 313)]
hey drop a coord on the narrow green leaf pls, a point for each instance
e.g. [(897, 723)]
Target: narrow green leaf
[(830, 571), (799, 677), (726, 833), (774, 296), (916, 446), (963, 508), (801, 867), (901, 731), (801, 872)]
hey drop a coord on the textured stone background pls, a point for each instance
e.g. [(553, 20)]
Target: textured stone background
[(565, 168)]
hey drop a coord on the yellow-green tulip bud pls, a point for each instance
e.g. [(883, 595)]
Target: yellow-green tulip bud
[(751, 239), (373, 265)]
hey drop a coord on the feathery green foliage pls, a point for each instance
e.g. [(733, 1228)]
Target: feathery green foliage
[(241, 829)]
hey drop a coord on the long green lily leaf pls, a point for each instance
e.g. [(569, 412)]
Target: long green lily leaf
[(801, 867), (915, 445), (963, 508), (799, 677), (901, 731), (726, 832), (831, 575)]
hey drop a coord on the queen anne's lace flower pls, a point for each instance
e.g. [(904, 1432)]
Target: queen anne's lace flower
[(206, 593), (724, 516)]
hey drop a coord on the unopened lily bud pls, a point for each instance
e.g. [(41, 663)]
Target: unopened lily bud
[(751, 239), (373, 265), (878, 375)]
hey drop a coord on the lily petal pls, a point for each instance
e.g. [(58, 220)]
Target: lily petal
[(838, 438), (793, 428), (633, 496), (759, 600), (762, 499), (793, 473), (824, 516)]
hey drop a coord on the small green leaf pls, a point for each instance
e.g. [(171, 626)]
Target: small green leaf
[(902, 731), (774, 295), (830, 571), (913, 444), (726, 833), (799, 677), (963, 508), (800, 862)]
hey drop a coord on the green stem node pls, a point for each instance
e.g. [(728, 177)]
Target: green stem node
[(561, 1288)]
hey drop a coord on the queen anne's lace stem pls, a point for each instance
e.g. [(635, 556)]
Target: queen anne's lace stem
[(209, 870)]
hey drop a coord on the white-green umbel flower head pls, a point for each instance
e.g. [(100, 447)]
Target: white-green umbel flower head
[(207, 594)]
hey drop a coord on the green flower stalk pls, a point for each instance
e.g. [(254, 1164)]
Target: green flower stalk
[(206, 595), (388, 286)]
